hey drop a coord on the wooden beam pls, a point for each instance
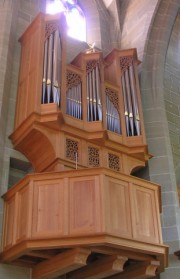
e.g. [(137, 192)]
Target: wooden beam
[(141, 270), (125, 253), (43, 255), (101, 268), (61, 264)]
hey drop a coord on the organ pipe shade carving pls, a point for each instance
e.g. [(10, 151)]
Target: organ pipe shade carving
[(129, 90), (52, 65), (114, 162), (71, 150), (93, 156), (93, 85)]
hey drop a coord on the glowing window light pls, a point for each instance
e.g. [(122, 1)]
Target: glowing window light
[(74, 16), (76, 25), (54, 7)]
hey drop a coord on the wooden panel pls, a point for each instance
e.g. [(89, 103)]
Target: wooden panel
[(30, 77), (144, 214), (49, 208), (9, 222), (118, 208), (85, 205), (24, 200)]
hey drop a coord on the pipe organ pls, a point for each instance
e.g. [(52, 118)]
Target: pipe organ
[(81, 213)]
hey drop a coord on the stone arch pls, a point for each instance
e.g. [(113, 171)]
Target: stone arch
[(160, 168)]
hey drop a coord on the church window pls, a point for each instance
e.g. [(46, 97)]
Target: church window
[(75, 18)]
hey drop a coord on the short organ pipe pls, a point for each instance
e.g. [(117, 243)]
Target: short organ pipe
[(74, 101), (112, 116)]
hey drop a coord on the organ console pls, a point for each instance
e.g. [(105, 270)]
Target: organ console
[(81, 213)]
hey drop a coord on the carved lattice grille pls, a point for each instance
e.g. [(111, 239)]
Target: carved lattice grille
[(93, 155), (114, 162), (71, 149)]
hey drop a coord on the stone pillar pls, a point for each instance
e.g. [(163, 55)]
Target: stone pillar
[(8, 21)]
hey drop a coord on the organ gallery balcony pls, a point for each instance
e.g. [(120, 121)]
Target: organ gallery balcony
[(80, 213), (108, 218)]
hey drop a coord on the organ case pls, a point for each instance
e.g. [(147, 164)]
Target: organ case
[(81, 126)]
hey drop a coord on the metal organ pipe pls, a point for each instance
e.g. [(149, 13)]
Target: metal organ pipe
[(98, 88), (134, 99), (129, 102), (112, 116), (125, 105), (74, 95), (56, 68), (51, 69), (130, 99), (44, 71), (93, 82)]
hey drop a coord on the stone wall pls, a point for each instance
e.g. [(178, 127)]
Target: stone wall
[(135, 18), (15, 16), (172, 94)]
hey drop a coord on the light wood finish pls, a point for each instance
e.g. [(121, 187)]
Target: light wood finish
[(61, 264), (89, 197), (102, 268), (70, 208), (113, 74), (43, 132), (138, 271), (42, 125), (81, 214)]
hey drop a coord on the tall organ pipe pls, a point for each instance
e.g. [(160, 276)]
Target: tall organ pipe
[(94, 95), (129, 102), (134, 99), (56, 68), (125, 105), (94, 107), (98, 90), (90, 97), (44, 72), (49, 68)]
